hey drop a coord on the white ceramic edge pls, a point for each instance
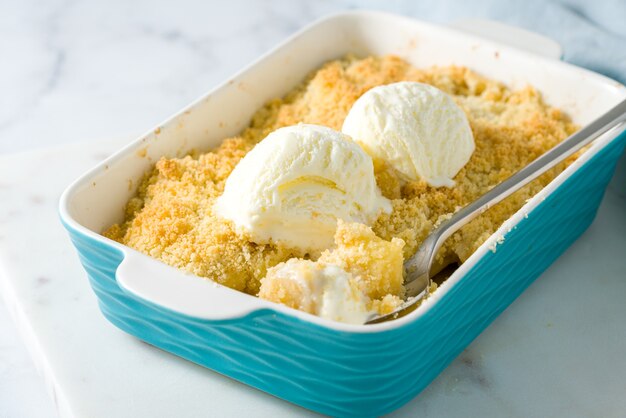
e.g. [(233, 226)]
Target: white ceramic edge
[(137, 271), (512, 36), (253, 303), (498, 238), (159, 283)]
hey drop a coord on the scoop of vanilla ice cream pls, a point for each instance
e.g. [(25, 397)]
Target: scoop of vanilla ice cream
[(294, 185), (321, 289), (416, 128)]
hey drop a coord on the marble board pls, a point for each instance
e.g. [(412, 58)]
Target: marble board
[(559, 350)]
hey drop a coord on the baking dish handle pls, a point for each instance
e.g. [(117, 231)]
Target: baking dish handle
[(510, 35), (171, 288)]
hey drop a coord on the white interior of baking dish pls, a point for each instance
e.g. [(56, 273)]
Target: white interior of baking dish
[(97, 199)]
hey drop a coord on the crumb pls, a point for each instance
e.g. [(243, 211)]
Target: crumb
[(377, 264), (171, 217), (373, 267), (279, 287), (386, 304)]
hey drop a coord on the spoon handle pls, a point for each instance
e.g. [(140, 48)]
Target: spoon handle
[(418, 266)]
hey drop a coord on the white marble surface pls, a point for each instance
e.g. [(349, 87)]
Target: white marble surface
[(557, 351), (74, 71)]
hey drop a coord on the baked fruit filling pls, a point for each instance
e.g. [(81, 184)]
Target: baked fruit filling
[(320, 200)]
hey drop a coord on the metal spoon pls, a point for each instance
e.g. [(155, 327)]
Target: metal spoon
[(418, 278)]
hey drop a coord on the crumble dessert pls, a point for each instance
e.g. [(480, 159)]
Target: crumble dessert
[(295, 184), (344, 284), (173, 217)]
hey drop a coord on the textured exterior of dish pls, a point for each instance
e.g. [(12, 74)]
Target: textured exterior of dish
[(360, 374), (324, 366)]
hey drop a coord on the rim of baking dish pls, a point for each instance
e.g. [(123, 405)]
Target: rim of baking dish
[(263, 306)]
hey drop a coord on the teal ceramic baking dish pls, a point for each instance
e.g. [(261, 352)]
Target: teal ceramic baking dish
[(338, 369)]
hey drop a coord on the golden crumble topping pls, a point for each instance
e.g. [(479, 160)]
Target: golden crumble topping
[(373, 265), (172, 218), (377, 263)]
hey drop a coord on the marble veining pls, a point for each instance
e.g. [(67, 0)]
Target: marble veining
[(76, 70), (473, 366), (533, 361), (42, 281)]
